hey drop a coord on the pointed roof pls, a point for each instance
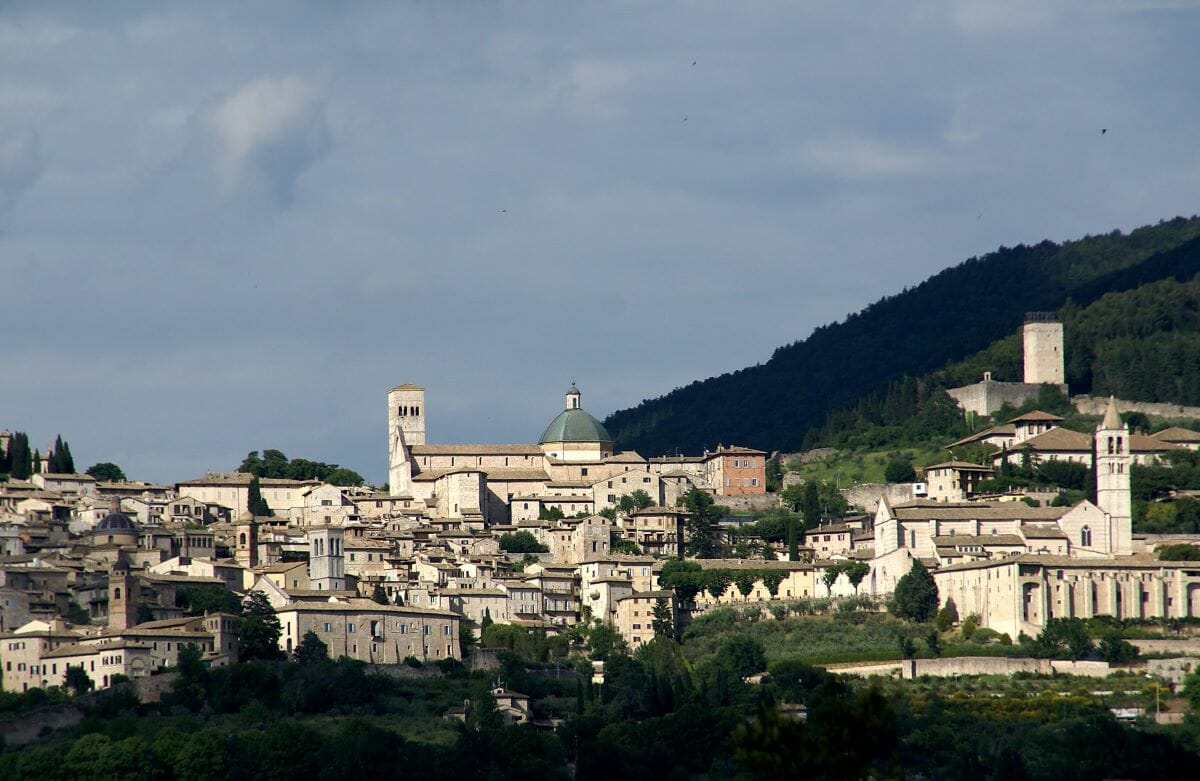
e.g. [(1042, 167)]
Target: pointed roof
[(1112, 418)]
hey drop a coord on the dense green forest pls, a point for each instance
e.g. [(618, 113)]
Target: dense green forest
[(950, 318), (674, 709)]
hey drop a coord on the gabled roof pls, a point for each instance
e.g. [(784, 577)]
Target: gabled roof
[(1176, 435), (1036, 416)]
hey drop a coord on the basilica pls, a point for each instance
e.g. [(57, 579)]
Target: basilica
[(572, 469)]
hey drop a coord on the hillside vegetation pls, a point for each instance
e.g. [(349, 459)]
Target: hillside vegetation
[(949, 318)]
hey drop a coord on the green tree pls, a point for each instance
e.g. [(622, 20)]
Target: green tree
[(1063, 638), (701, 523), (198, 600), (255, 503), (1179, 552), (947, 616), (77, 615), (856, 571), (466, 639), (311, 649), (916, 596), (258, 630), (899, 470), (745, 655), (343, 477), (78, 681), (745, 583), (379, 596), (792, 541), (19, 456), (106, 472), (663, 623), (521, 542), (810, 505)]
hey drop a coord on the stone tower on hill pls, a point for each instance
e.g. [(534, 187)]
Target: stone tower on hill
[(1042, 338)]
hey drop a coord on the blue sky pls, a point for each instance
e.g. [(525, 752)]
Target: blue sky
[(227, 227)]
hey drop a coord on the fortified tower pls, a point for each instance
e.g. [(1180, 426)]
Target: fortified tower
[(1113, 461), (1042, 336), (406, 427)]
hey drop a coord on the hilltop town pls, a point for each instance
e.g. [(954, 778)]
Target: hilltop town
[(567, 530), (721, 575)]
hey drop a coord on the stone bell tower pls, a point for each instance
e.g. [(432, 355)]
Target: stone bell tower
[(406, 427), (1113, 462)]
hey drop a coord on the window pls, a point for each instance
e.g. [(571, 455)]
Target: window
[(1085, 537), (350, 628)]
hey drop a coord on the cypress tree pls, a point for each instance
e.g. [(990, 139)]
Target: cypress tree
[(793, 545), (21, 458), (255, 504), (66, 462), (37, 463)]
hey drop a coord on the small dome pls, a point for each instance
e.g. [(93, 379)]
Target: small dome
[(116, 521), (574, 425)]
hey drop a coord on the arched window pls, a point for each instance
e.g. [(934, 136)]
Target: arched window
[(243, 538), (1120, 444), (117, 593), (1085, 537), (1110, 446)]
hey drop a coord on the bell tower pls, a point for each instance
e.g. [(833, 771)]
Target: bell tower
[(123, 595), (1113, 461), (406, 427)]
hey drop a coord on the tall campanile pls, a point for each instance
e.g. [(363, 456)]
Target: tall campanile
[(406, 427)]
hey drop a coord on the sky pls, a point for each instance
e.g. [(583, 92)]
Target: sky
[(227, 227)]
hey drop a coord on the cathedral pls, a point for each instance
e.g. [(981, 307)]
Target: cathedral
[(572, 469)]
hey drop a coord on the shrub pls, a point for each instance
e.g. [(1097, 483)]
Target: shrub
[(969, 626), (983, 635), (413, 662)]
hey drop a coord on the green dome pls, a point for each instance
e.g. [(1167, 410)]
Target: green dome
[(574, 425)]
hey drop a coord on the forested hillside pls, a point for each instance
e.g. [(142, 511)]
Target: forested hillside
[(946, 319)]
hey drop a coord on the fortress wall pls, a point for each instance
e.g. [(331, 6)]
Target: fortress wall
[(1096, 405)]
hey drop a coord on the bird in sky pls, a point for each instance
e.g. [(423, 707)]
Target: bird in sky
[(1103, 130), (693, 63)]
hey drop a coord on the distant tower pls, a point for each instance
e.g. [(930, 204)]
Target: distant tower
[(122, 596), (1113, 461), (406, 427), (246, 544), (1042, 335), (573, 397), (326, 559)]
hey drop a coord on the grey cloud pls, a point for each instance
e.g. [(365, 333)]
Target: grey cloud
[(269, 130), (21, 162)]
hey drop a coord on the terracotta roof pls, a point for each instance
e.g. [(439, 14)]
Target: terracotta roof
[(1176, 435), (1036, 416), (1035, 532), (952, 540), (1013, 511), (493, 473), (962, 466), (476, 450), (1004, 430)]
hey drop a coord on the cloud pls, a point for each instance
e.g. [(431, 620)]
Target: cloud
[(862, 158), (270, 130), (21, 164)]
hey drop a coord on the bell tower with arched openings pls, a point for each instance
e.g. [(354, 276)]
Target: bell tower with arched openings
[(406, 427), (1113, 461)]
